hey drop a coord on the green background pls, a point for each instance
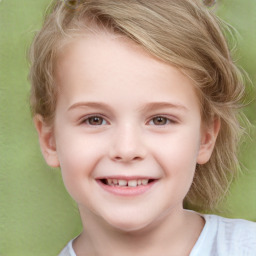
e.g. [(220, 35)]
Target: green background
[(37, 216)]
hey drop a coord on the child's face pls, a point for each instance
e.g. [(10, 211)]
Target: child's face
[(123, 116)]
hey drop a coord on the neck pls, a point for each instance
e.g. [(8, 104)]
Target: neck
[(174, 234)]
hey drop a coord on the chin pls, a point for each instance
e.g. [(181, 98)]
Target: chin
[(130, 223), (129, 227)]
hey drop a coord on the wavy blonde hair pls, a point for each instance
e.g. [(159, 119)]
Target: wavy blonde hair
[(185, 34)]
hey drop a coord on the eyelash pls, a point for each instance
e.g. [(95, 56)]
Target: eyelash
[(86, 120), (167, 120)]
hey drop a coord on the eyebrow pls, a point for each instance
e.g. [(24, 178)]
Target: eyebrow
[(89, 104), (147, 107), (158, 105)]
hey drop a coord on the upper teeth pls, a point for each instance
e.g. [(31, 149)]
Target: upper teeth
[(129, 183)]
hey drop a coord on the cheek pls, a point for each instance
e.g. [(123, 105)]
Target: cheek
[(177, 153), (78, 156)]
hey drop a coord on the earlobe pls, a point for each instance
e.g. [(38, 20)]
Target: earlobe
[(46, 141), (208, 139)]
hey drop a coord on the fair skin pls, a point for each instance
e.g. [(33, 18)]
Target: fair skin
[(122, 116)]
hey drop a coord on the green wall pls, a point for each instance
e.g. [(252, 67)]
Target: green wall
[(37, 216)]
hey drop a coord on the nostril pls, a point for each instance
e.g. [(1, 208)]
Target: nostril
[(127, 159)]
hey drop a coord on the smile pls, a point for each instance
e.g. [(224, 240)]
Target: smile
[(126, 186), (126, 183)]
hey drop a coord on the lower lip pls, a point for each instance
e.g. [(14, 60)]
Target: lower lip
[(127, 191)]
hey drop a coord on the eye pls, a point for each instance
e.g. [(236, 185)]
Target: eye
[(95, 120), (160, 120)]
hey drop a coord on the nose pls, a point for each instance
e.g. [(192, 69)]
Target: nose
[(127, 145)]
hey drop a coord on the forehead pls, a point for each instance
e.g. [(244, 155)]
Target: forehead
[(105, 51), (103, 62)]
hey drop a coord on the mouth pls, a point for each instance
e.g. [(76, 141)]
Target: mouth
[(126, 182), (126, 186)]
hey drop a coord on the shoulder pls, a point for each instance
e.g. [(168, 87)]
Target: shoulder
[(68, 250), (230, 236), (232, 229)]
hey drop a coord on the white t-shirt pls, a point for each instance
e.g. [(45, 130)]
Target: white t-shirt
[(219, 237)]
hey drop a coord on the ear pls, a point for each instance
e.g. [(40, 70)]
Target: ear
[(208, 139), (46, 141)]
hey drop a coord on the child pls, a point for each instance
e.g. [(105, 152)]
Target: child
[(137, 102)]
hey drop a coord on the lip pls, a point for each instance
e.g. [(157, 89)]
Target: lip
[(126, 191)]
